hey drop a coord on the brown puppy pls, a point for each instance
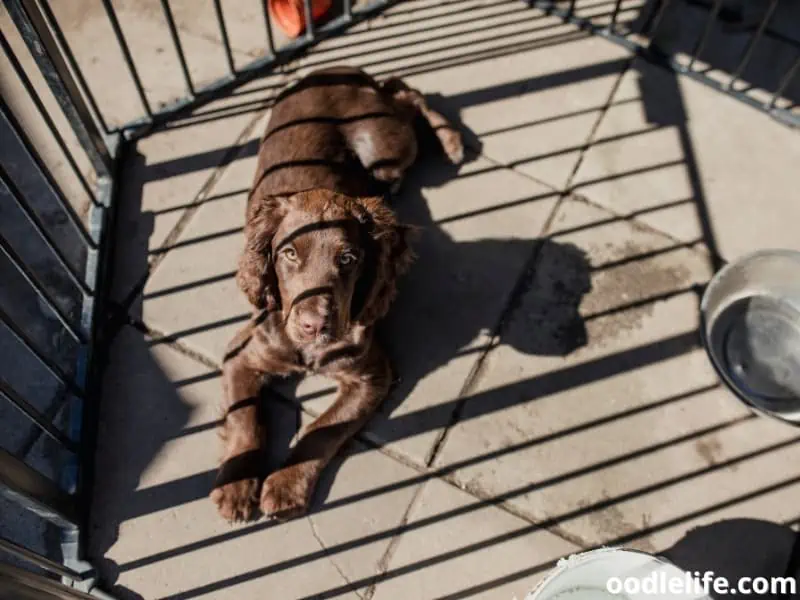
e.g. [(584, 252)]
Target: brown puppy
[(322, 256)]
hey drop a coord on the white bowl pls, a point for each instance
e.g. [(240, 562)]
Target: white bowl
[(586, 576)]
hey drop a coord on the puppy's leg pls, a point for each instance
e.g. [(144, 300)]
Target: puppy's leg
[(287, 492), (243, 433), (385, 147), (448, 135)]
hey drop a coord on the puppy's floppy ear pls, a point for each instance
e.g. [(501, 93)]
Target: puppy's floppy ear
[(256, 275), (389, 256)]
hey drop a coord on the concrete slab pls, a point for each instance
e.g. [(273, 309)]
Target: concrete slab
[(533, 110), (478, 231), (192, 295), (456, 546), (628, 439), (156, 534), (600, 13), (669, 152), (144, 27), (530, 87), (244, 21), (413, 36), (170, 171)]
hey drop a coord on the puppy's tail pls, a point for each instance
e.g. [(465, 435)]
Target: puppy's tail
[(414, 101)]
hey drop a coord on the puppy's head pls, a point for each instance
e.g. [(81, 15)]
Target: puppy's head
[(324, 260)]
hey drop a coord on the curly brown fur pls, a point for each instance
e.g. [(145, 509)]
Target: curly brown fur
[(322, 259), (254, 276)]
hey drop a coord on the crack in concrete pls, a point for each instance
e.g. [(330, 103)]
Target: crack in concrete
[(156, 336), (335, 565), (386, 558)]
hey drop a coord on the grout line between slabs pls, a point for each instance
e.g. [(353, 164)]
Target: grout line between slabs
[(310, 520), (156, 337), (569, 192), (475, 373), (697, 245), (525, 277), (521, 285), (229, 158), (593, 133), (364, 440), (385, 561), (499, 163)]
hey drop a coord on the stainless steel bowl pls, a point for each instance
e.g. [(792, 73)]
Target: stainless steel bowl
[(751, 331)]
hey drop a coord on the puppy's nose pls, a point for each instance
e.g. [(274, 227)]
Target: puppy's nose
[(311, 323)]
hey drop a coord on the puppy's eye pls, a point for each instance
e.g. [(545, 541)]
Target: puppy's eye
[(289, 254), (348, 259)]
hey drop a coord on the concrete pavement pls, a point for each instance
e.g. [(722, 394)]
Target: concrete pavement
[(553, 394)]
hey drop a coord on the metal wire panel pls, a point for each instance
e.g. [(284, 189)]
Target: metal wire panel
[(79, 317), (53, 261), (176, 43), (197, 95), (33, 27), (648, 46)]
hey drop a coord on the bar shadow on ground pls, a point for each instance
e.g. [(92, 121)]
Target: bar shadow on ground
[(570, 335)]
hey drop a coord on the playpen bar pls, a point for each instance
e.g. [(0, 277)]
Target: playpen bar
[(787, 79), (23, 270), (126, 54), (659, 18), (751, 45), (42, 562), (41, 229), (73, 64), (34, 415), (176, 43), (268, 27), (309, 19), (571, 9), (48, 364), (615, 13), (223, 32), (35, 33), (701, 42), (17, 130), (26, 83), (34, 491)]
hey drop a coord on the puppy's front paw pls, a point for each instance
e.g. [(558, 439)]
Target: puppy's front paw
[(286, 494), (238, 500)]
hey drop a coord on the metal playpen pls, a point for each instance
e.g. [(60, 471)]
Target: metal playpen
[(73, 226)]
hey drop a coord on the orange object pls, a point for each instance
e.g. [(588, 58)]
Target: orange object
[(290, 15)]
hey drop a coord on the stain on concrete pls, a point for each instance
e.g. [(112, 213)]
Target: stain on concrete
[(611, 525), (709, 449), (625, 289)]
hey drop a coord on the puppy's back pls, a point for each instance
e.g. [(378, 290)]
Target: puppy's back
[(326, 131)]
